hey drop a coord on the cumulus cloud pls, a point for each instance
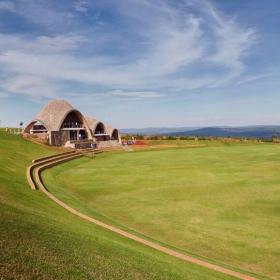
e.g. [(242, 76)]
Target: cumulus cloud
[(158, 47)]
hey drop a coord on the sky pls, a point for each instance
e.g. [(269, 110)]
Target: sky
[(142, 63)]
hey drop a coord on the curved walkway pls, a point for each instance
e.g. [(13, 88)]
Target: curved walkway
[(34, 180)]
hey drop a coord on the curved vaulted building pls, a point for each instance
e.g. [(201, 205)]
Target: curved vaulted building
[(113, 133), (59, 123), (98, 129)]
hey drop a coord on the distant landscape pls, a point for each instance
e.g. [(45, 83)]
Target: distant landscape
[(258, 131)]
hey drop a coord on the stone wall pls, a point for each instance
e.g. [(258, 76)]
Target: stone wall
[(59, 138)]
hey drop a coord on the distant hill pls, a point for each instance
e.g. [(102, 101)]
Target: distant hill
[(155, 130), (249, 131)]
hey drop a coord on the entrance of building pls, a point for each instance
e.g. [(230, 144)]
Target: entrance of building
[(82, 134), (73, 135)]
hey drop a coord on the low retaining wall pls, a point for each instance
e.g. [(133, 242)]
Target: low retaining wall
[(108, 144), (52, 156)]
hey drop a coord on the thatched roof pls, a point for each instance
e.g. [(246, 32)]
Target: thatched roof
[(109, 129), (53, 114), (92, 123)]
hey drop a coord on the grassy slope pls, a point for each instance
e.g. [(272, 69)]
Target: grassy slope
[(40, 240), (217, 202)]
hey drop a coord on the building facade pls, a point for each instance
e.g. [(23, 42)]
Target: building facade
[(59, 124)]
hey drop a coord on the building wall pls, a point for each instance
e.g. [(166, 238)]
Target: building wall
[(40, 137), (102, 137), (58, 138)]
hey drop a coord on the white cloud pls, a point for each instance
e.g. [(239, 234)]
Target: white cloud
[(135, 94), (7, 5), (41, 44), (233, 43), (253, 78), (44, 14), (81, 6), (30, 86), (168, 48), (60, 42)]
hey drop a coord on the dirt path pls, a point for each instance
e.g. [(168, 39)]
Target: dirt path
[(36, 179)]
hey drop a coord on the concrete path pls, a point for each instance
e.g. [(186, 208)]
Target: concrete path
[(34, 179)]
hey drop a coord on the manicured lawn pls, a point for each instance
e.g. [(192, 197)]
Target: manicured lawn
[(218, 202), (40, 240)]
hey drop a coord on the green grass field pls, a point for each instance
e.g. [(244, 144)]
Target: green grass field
[(40, 240), (220, 202)]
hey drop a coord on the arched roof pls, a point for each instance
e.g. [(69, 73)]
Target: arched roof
[(110, 129), (53, 114), (92, 123)]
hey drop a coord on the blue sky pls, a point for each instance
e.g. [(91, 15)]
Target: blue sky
[(139, 63)]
